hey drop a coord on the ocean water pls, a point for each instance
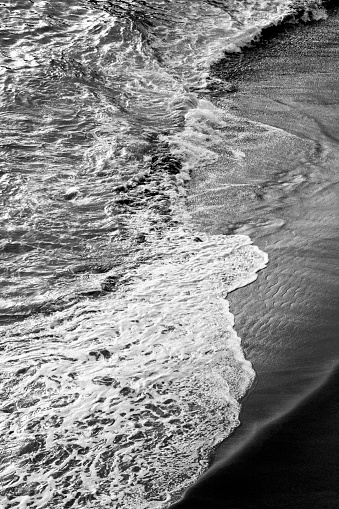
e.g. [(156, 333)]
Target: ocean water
[(121, 370)]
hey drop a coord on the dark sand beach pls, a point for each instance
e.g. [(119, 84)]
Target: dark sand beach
[(286, 451)]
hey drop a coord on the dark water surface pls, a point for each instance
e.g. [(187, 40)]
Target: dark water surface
[(285, 453)]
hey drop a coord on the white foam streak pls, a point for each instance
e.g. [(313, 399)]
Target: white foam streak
[(126, 404), (202, 133)]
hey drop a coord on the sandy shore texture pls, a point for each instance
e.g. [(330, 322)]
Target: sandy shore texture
[(286, 451)]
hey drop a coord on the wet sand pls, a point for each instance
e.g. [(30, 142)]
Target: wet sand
[(291, 463), (286, 451)]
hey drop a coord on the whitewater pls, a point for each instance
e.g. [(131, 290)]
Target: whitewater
[(121, 370)]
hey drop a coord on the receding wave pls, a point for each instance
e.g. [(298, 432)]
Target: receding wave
[(120, 400)]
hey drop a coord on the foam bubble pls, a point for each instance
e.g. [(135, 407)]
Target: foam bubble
[(120, 400)]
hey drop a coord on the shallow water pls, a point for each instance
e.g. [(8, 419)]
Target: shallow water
[(95, 93), (108, 396)]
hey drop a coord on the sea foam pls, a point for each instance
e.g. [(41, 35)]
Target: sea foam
[(121, 400), (118, 400)]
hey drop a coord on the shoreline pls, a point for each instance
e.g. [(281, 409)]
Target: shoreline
[(287, 320)]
